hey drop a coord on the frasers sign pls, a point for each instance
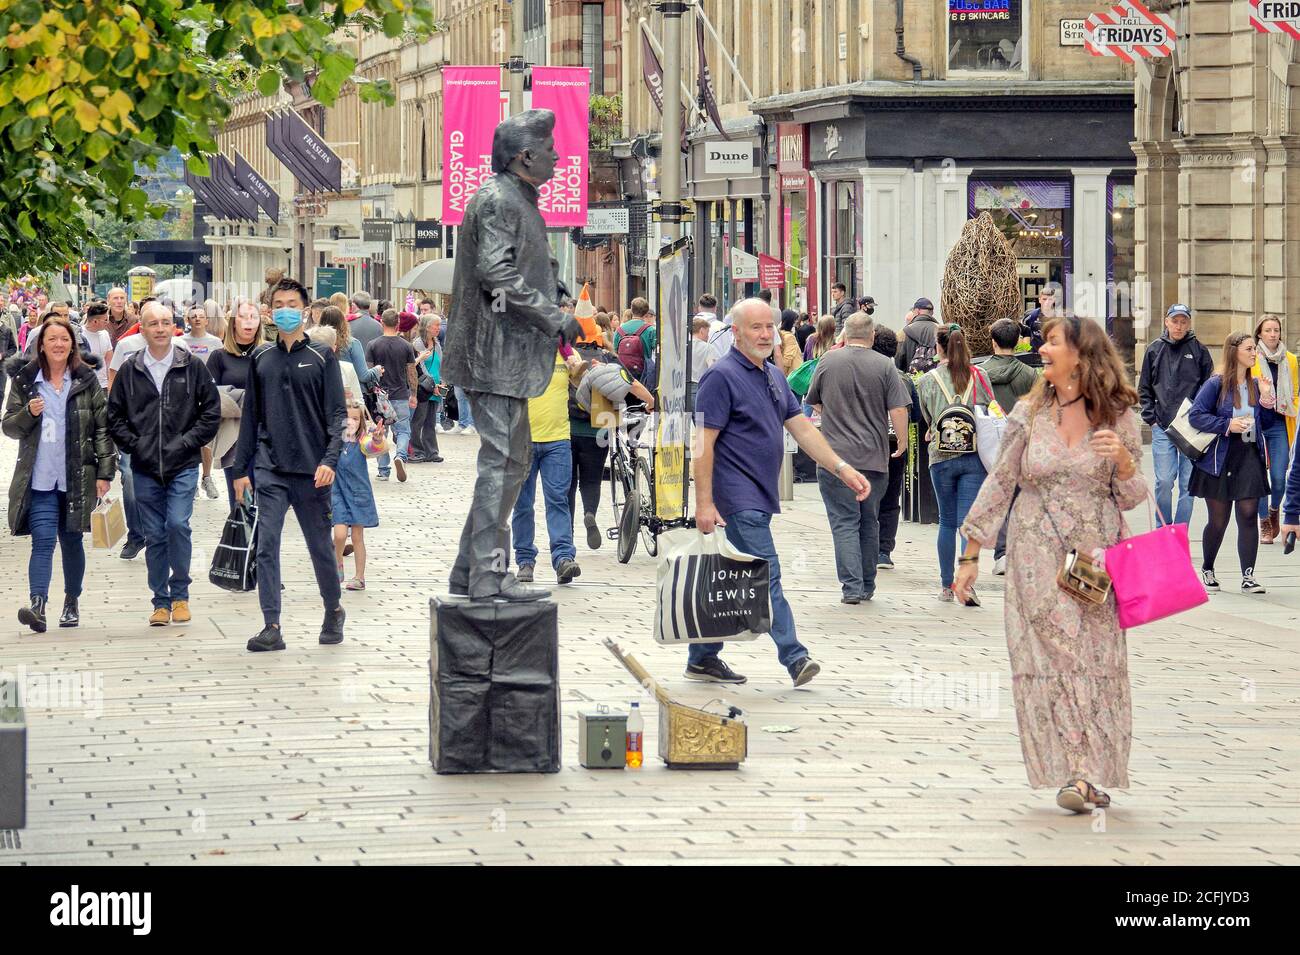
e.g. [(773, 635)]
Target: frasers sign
[(728, 159)]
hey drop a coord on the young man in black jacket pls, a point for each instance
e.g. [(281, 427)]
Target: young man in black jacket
[(290, 436), (1173, 368), (162, 410)]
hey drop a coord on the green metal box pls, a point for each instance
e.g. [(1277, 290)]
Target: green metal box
[(602, 738)]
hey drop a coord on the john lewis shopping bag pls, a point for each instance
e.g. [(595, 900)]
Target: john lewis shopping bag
[(234, 562), (708, 591)]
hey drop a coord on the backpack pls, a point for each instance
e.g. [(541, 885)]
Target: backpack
[(955, 424), (924, 359), (631, 351)]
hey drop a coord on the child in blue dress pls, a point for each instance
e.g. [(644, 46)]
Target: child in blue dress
[(352, 499)]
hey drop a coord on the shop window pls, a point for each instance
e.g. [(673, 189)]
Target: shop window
[(844, 234), (986, 36), (1121, 268), (1035, 216), (593, 44), (535, 31)]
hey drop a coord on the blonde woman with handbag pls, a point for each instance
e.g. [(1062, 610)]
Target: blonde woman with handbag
[(1279, 388)]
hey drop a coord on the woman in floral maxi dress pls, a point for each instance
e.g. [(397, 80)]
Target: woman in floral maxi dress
[(1072, 447)]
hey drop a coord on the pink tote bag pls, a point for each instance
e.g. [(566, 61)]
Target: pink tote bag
[(1153, 577)]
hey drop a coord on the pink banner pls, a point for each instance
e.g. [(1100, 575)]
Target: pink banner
[(566, 90), (471, 104)]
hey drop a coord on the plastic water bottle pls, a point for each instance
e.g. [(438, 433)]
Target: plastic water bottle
[(635, 737)]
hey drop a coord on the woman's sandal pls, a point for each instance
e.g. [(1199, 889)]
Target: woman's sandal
[(1071, 797), (356, 583)]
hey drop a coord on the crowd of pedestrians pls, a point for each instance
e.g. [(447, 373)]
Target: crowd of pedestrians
[(289, 397)]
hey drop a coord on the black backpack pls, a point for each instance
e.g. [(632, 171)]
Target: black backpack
[(925, 358)]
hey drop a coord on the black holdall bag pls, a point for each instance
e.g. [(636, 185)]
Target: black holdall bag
[(234, 562)]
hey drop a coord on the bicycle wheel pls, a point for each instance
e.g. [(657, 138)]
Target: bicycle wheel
[(644, 494), (629, 519)]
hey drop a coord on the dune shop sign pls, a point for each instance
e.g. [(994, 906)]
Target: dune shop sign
[(1129, 30), (303, 152), (729, 159), (1272, 16)]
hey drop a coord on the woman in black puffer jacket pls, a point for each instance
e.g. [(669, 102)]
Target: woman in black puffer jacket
[(66, 461)]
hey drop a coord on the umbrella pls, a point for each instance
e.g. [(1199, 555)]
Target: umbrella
[(432, 276)]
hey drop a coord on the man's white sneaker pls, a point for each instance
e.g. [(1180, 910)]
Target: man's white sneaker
[(470, 430), (457, 429), (1000, 566)]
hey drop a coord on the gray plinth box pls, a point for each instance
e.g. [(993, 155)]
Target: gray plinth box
[(494, 696), (13, 758)]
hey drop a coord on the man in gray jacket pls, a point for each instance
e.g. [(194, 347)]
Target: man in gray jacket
[(501, 340), (363, 326)]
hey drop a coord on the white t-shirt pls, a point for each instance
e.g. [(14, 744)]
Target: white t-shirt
[(100, 343), (128, 346), (703, 355), (201, 348)]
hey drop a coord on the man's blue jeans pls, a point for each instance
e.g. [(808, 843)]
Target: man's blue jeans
[(1279, 457), (957, 482), (1171, 465), (751, 532), (401, 425), (46, 519), (464, 415), (164, 511), (134, 535), (553, 460)]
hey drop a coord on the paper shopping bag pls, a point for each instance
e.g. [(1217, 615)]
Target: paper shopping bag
[(107, 523), (708, 591)]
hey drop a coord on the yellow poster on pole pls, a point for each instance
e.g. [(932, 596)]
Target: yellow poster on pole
[(670, 403)]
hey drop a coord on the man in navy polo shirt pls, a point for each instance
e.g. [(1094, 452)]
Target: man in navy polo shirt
[(741, 407)]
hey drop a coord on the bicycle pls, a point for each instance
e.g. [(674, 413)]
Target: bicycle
[(631, 489)]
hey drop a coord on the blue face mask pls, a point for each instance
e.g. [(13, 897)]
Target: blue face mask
[(288, 320)]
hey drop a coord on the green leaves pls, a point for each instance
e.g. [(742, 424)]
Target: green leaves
[(91, 90)]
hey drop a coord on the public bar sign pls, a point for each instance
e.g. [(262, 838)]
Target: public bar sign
[(608, 220), (1276, 16), (1128, 30)]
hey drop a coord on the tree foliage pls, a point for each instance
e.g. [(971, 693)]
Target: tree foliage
[(90, 88)]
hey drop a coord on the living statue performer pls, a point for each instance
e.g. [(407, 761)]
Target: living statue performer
[(504, 327)]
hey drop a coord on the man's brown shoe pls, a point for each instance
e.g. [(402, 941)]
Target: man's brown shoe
[(181, 611), (160, 617)]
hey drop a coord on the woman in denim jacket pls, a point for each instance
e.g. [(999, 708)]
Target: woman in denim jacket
[(1234, 470)]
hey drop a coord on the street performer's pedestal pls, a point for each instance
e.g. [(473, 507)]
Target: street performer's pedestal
[(494, 704)]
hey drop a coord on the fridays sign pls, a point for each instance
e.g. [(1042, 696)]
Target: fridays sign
[(1276, 16), (1129, 30)]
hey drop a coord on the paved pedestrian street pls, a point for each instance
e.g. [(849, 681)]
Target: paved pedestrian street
[(175, 745)]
